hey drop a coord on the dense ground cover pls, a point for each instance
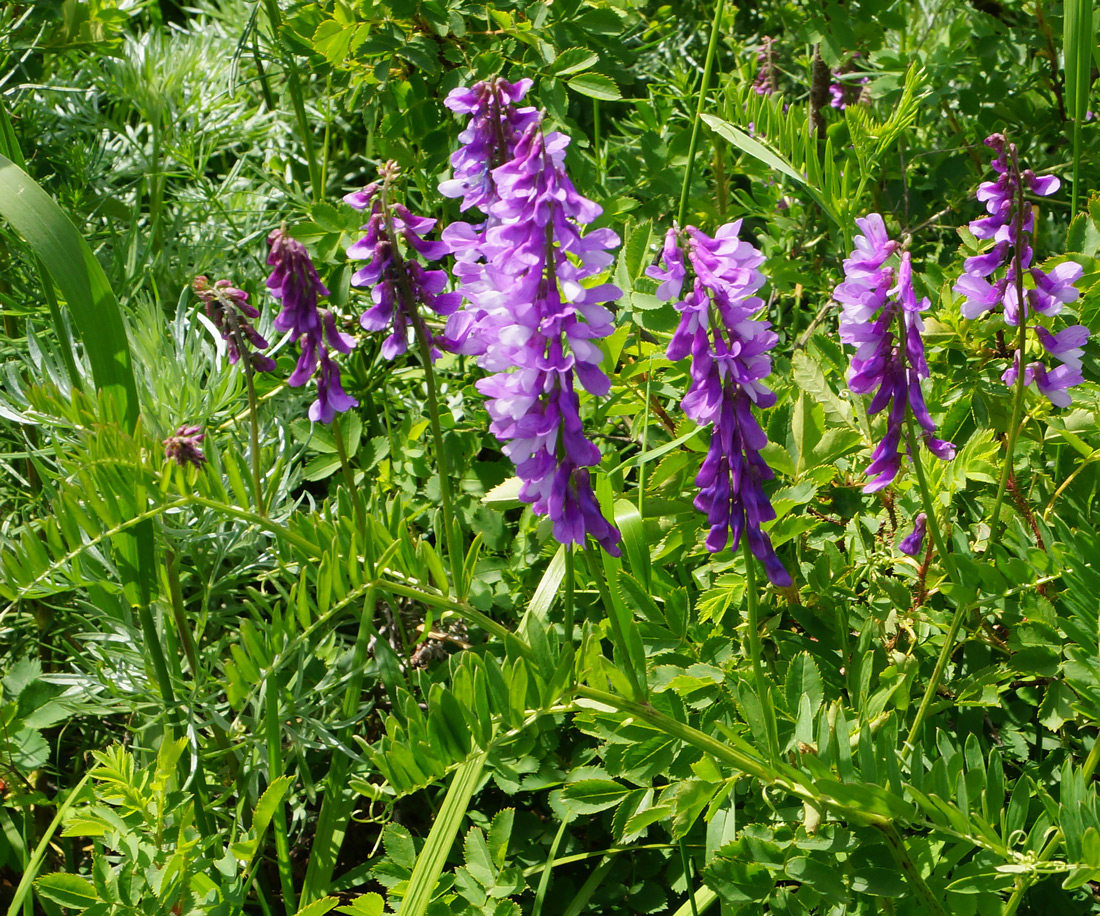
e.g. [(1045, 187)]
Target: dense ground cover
[(574, 457)]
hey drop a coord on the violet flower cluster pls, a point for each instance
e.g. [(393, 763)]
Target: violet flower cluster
[(534, 303), (228, 309), (872, 296), (294, 282), (399, 286), (1010, 226), (767, 79), (729, 348)]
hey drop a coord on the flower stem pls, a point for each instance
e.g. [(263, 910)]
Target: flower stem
[(697, 125), (454, 551), (349, 476), (254, 434), (1013, 430), (763, 688), (570, 606), (273, 728)]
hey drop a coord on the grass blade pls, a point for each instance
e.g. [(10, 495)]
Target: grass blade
[(1078, 37), (91, 301), (429, 864)]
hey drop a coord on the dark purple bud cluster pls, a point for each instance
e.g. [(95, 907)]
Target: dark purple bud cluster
[(295, 283), (227, 307), (183, 448)]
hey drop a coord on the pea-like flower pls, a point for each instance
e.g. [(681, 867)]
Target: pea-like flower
[(1010, 226), (184, 447), (872, 296), (535, 306), (399, 285), (728, 346), (295, 283)]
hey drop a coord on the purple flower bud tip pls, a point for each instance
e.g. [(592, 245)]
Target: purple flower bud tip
[(913, 543), (228, 309), (183, 447)]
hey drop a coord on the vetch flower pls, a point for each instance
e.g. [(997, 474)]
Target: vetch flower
[(295, 283), (399, 285), (729, 348), (891, 365), (533, 314), (183, 447), (1010, 226), (767, 81), (913, 543), (227, 307)]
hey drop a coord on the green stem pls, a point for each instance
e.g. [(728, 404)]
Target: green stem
[(1013, 429), (294, 85), (454, 553), (273, 727), (1024, 882), (570, 606), (937, 672), (763, 688), (254, 437), (697, 125), (337, 804), (898, 849), (349, 476)]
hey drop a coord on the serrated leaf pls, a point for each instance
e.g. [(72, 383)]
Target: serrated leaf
[(596, 86), (573, 60), (587, 796), (319, 907), (70, 891), (370, 904)]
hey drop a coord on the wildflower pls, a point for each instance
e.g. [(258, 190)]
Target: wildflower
[(767, 81), (729, 350), (227, 307), (398, 285), (1010, 228), (295, 283), (871, 297), (183, 447), (913, 543), (530, 318)]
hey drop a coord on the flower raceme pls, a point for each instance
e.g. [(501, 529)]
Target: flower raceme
[(1010, 225), (872, 295), (398, 285), (729, 348), (294, 282), (534, 303), (227, 307)]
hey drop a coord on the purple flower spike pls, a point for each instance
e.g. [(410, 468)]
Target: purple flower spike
[(183, 447), (729, 350), (534, 304), (912, 544), (1011, 230), (227, 307), (767, 81), (295, 283), (871, 297), (399, 286)]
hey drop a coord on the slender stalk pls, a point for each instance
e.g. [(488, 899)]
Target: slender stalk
[(454, 552), (930, 902), (1024, 882), (336, 805), (273, 730), (254, 436), (617, 634), (763, 688), (570, 609), (294, 85), (697, 125), (349, 476)]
